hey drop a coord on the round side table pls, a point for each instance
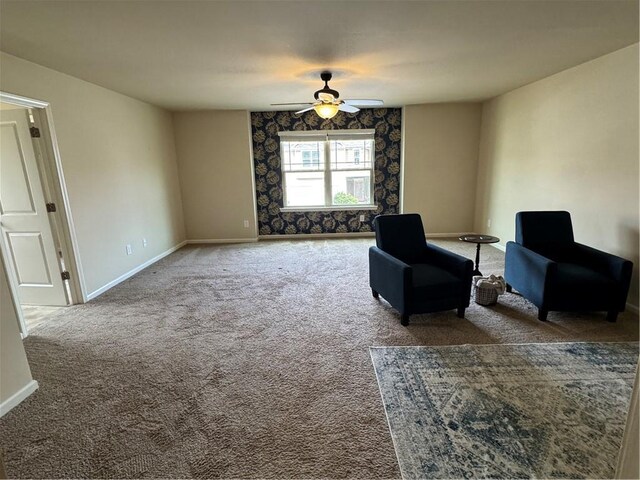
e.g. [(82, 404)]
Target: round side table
[(478, 240)]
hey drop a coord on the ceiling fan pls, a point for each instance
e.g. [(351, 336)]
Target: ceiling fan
[(327, 102)]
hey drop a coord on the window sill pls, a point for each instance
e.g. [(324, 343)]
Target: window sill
[(333, 208)]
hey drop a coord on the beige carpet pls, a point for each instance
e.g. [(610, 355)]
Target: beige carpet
[(241, 361)]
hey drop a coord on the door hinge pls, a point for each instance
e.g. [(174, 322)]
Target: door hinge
[(51, 207), (35, 132), (65, 275)]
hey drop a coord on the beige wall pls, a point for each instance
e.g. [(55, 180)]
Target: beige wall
[(118, 157), (568, 142), (440, 164), (14, 369), (214, 160)]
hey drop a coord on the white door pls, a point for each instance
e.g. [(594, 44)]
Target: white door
[(26, 232)]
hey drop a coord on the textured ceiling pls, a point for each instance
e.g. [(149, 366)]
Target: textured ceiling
[(245, 55)]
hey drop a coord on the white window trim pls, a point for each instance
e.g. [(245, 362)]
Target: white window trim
[(333, 208), (327, 173), (327, 134)]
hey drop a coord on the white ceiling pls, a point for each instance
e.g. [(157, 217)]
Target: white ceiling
[(186, 55)]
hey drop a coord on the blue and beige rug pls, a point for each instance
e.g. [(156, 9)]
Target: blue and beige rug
[(507, 411)]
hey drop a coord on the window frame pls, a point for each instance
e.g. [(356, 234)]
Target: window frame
[(326, 137)]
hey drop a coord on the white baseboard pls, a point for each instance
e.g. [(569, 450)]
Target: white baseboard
[(311, 236), (500, 247), (446, 235), (315, 236), (132, 272), (15, 399), (221, 240), (633, 308)]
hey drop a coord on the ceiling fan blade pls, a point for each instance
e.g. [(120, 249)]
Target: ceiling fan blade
[(365, 102), (304, 110), (293, 103), (345, 107)]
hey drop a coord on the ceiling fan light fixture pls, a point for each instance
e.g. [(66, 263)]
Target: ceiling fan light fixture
[(327, 104), (326, 110)]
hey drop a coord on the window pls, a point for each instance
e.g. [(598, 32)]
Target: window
[(358, 187), (327, 168), (310, 158)]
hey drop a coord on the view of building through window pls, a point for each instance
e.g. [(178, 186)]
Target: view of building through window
[(327, 169)]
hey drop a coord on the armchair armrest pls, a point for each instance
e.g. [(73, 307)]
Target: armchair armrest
[(458, 265), (530, 273), (616, 268), (390, 277), (611, 265)]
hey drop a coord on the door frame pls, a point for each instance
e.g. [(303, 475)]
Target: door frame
[(55, 190)]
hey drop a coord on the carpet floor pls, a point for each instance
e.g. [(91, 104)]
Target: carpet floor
[(243, 361)]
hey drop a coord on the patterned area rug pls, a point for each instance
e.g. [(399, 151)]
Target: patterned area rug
[(507, 411)]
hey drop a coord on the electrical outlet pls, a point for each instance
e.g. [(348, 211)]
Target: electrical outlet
[(246, 224), (129, 250), (362, 218), (489, 223), (144, 242)]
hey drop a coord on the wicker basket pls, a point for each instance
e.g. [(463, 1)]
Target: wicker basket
[(485, 295)]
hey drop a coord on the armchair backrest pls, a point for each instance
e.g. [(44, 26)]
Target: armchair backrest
[(401, 236), (545, 232)]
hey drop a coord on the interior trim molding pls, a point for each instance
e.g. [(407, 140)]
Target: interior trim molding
[(312, 236), (633, 308), (51, 157), (15, 399), (22, 101), (221, 240), (499, 246), (446, 235), (132, 272)]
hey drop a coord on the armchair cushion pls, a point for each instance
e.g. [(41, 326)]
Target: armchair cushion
[(431, 282), (610, 265), (577, 281)]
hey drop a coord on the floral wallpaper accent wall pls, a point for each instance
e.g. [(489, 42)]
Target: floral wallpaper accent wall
[(268, 174)]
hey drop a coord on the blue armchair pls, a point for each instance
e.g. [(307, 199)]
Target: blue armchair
[(555, 273), (412, 275)]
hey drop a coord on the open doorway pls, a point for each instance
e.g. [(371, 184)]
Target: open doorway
[(37, 240)]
